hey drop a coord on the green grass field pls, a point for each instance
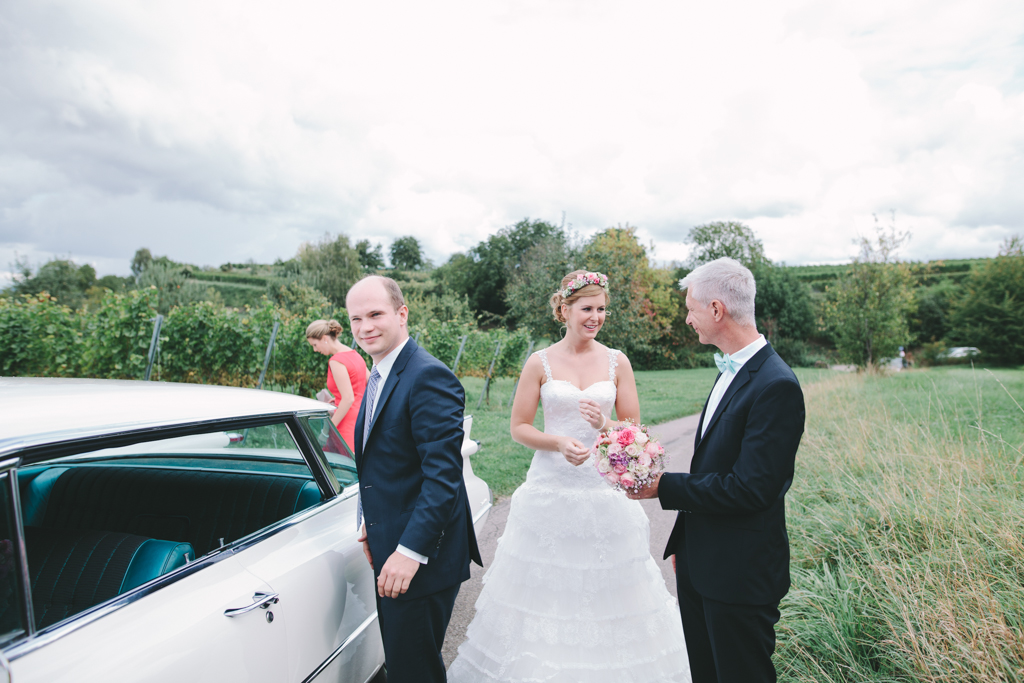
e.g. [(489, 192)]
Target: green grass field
[(906, 523), (664, 395)]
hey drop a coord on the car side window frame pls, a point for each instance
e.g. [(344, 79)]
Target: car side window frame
[(9, 468)]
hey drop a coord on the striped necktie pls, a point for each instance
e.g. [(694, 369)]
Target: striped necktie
[(371, 394)]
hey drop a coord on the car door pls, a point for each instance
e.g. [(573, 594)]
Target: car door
[(178, 633), (326, 586)]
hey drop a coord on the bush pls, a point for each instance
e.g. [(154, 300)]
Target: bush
[(42, 337)]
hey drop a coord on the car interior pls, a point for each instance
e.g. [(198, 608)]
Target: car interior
[(100, 524)]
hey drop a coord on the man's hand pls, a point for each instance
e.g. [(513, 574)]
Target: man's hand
[(673, 556), (366, 544), (396, 575), (648, 491)]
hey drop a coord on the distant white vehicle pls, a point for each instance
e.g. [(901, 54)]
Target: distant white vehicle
[(165, 532), (960, 352)]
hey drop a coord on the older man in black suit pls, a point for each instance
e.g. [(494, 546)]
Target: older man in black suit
[(418, 529), (730, 547)]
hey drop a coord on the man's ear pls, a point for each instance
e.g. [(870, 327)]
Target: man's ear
[(403, 314), (717, 310)]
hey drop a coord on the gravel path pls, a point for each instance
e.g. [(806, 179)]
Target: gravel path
[(676, 436)]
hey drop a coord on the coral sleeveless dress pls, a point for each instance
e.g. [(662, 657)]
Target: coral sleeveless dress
[(356, 367)]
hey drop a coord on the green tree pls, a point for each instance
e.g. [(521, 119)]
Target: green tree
[(371, 257), (406, 254), (531, 285), (483, 273), (867, 309), (990, 315), (783, 304), (643, 305), (930, 317), (60, 278), (143, 257), (331, 266), (725, 238)]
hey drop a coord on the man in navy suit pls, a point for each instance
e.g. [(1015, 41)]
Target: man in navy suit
[(416, 526), (729, 545)]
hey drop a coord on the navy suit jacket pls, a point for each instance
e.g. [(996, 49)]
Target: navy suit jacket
[(731, 529), (410, 472)]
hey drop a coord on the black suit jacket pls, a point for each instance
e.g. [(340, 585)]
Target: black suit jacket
[(731, 529), (410, 472)]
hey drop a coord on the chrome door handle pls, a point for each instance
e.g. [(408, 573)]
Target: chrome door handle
[(262, 601)]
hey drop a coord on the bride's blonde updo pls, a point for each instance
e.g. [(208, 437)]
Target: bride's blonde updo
[(575, 286)]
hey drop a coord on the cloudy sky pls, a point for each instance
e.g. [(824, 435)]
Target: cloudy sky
[(222, 130)]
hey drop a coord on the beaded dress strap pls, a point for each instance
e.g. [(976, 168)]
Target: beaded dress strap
[(613, 362), (543, 353)]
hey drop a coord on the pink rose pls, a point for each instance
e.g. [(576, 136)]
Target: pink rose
[(627, 480), (612, 478), (614, 448), (632, 450), (620, 469), (626, 437), (644, 459)]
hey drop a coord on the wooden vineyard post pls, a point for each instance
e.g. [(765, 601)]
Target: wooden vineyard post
[(270, 349), (455, 365), (487, 382), (154, 344)]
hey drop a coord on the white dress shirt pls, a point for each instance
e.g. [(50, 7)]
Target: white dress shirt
[(725, 379), (384, 369)]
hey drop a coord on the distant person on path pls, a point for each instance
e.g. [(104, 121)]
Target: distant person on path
[(729, 544), (346, 376), (573, 594)]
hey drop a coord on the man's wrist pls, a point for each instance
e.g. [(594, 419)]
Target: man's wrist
[(412, 554)]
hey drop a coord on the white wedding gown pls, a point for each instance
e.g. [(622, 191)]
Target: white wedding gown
[(573, 593)]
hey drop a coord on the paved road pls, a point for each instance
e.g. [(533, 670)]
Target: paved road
[(676, 436)]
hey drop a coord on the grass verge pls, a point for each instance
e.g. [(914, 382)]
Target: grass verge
[(906, 520)]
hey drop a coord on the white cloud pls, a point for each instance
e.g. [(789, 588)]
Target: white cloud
[(227, 130)]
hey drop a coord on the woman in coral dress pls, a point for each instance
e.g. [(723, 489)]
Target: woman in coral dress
[(346, 377)]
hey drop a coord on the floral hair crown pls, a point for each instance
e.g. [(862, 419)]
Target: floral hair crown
[(581, 281)]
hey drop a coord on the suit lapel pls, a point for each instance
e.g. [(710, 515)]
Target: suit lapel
[(742, 377), (389, 386)]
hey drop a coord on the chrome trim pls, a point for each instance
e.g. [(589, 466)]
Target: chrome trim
[(261, 601), (348, 641), (482, 512), (86, 617), (6, 666), (28, 612)]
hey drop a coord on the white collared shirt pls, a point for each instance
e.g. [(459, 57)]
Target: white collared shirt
[(725, 379), (384, 369)]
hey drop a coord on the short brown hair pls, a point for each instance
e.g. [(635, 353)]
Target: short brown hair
[(590, 290), (391, 287)]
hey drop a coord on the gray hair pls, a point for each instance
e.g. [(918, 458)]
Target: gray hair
[(727, 280)]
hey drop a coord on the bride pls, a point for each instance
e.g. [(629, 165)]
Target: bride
[(573, 593)]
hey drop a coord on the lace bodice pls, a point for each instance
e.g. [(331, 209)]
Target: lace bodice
[(561, 402)]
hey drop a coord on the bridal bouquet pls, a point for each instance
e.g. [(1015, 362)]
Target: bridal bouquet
[(629, 456)]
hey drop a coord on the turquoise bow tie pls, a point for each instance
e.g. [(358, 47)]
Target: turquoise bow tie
[(726, 364)]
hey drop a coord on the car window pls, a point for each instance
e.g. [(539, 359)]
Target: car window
[(11, 625), (337, 452), (102, 523)]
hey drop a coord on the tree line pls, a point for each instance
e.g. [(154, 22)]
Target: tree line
[(873, 306)]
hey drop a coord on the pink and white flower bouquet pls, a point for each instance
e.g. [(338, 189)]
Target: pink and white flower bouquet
[(629, 456)]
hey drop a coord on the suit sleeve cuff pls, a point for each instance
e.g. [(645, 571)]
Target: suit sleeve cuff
[(412, 554)]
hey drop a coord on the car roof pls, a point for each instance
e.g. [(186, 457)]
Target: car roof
[(36, 410)]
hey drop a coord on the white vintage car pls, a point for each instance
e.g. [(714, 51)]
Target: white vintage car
[(170, 532)]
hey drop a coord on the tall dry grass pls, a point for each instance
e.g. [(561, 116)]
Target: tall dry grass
[(906, 522)]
